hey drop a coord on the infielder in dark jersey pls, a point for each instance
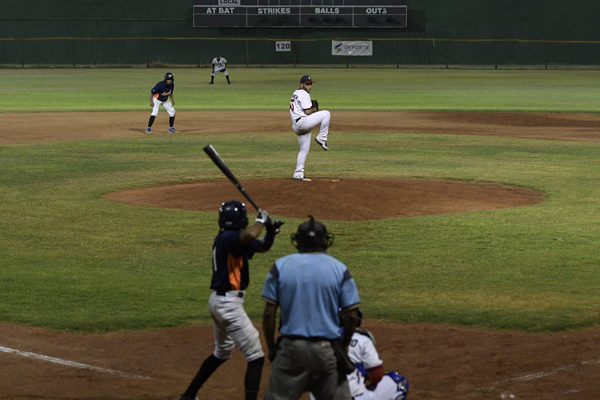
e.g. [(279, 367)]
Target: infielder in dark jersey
[(159, 95), (233, 247)]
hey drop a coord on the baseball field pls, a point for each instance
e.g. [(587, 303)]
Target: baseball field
[(464, 202)]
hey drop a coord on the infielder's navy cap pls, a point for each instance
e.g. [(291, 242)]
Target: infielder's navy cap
[(306, 79)]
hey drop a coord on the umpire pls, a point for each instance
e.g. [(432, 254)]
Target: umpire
[(310, 287)]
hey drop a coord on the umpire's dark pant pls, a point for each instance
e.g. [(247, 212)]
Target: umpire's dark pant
[(306, 365)]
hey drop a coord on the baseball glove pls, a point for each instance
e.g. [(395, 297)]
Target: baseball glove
[(315, 104)]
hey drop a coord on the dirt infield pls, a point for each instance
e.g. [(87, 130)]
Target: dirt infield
[(379, 198), (41, 127), (441, 362)]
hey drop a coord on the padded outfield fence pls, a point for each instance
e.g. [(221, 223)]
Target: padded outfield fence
[(387, 52)]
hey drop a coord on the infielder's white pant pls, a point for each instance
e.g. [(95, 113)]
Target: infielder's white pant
[(386, 389), (303, 129), (215, 72), (232, 327), (167, 106)]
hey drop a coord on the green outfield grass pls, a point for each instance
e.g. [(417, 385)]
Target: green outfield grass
[(337, 89), (71, 260)]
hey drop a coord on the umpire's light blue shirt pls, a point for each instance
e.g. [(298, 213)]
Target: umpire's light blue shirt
[(310, 288)]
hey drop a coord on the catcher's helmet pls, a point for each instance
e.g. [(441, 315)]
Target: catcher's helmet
[(169, 77), (232, 215), (312, 236)]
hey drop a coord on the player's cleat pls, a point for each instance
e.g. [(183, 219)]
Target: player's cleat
[(172, 130), (148, 130), (322, 144), (304, 178), (211, 83)]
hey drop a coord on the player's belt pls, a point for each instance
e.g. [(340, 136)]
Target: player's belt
[(232, 293), (298, 119), (310, 339)]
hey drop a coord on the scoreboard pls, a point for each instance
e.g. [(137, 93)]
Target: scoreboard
[(300, 13)]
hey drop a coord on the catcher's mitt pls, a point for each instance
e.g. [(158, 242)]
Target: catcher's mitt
[(315, 104)]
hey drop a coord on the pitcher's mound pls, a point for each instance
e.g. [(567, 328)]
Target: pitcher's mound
[(338, 199)]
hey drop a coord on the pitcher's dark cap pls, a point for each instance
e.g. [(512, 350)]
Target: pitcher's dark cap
[(306, 79)]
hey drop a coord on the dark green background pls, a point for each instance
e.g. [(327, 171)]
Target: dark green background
[(150, 32)]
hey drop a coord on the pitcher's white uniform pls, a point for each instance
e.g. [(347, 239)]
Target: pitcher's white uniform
[(303, 124)]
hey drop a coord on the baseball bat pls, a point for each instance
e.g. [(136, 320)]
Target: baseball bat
[(216, 158)]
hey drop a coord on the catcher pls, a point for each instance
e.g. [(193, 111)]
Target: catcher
[(305, 116), (369, 381), (219, 65)]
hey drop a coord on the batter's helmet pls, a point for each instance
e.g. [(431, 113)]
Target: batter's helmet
[(232, 215), (169, 77), (312, 236)]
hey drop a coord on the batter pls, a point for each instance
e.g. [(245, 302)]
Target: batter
[(235, 244)]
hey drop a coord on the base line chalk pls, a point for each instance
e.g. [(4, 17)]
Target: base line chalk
[(67, 363), (534, 376)]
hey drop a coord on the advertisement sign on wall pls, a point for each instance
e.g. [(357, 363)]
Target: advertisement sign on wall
[(351, 48)]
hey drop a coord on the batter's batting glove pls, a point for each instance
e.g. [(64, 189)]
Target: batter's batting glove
[(262, 217), (273, 226)]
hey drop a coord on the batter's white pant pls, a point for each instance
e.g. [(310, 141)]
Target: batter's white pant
[(303, 129), (232, 327), (166, 105), (386, 389)]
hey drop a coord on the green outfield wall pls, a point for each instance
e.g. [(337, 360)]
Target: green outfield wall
[(488, 33)]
